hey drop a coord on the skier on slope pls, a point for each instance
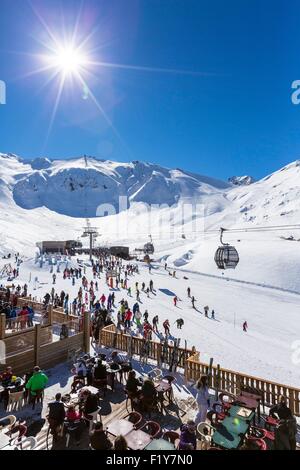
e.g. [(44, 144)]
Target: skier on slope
[(166, 326), (245, 326), (146, 315), (189, 292), (206, 309), (193, 302), (155, 323), (175, 299), (180, 323)]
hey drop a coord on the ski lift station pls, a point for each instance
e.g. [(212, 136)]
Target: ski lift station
[(56, 246)]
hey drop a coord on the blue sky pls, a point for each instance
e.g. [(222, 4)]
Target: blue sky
[(236, 118)]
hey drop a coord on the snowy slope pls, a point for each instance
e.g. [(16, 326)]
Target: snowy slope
[(45, 187)]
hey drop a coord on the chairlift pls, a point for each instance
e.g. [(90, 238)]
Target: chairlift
[(226, 256)]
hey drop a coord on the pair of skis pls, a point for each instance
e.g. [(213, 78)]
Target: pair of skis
[(174, 356)]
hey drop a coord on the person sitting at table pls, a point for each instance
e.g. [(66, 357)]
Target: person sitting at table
[(72, 414), (120, 444), (148, 394), (188, 440), (91, 403), (133, 384), (5, 377), (281, 410), (99, 439), (80, 368), (117, 359), (74, 423), (56, 415), (100, 371)]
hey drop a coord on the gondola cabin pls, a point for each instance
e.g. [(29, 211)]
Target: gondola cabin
[(226, 257)]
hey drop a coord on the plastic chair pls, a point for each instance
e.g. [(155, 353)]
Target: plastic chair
[(71, 428), (129, 397), (156, 374), (15, 400), (206, 432), (29, 443), (135, 418), (256, 443), (91, 417), (152, 428), (171, 436), (7, 422), (21, 429)]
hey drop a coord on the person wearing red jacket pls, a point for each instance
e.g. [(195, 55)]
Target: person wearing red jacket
[(166, 325), (147, 330), (128, 317), (23, 315)]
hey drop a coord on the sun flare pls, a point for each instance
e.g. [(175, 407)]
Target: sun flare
[(68, 60)]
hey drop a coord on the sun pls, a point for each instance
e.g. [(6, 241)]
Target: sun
[(68, 60)]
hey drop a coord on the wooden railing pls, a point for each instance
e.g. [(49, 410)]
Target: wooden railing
[(112, 338), (222, 380)]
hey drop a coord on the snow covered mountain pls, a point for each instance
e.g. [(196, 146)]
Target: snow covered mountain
[(241, 180), (77, 187)]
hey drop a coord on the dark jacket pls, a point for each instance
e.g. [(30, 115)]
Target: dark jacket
[(100, 372), (91, 404), (186, 438), (57, 411), (100, 441), (281, 410), (132, 385)]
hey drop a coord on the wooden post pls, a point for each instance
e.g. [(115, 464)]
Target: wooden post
[(37, 343), (86, 332), (2, 325), (50, 315)]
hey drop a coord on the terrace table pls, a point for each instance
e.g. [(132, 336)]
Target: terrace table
[(137, 440), (160, 444), (241, 412), (91, 389), (249, 400), (120, 427), (231, 431)]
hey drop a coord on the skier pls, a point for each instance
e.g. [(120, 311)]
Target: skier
[(180, 323), (148, 292), (128, 316), (138, 316), (212, 314), (54, 278), (175, 301), (189, 292), (245, 326), (147, 330), (174, 273), (138, 296), (146, 315), (129, 291), (155, 323), (166, 326), (151, 285), (166, 266), (206, 309), (143, 286)]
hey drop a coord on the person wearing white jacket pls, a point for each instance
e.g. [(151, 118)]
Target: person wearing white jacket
[(202, 398)]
